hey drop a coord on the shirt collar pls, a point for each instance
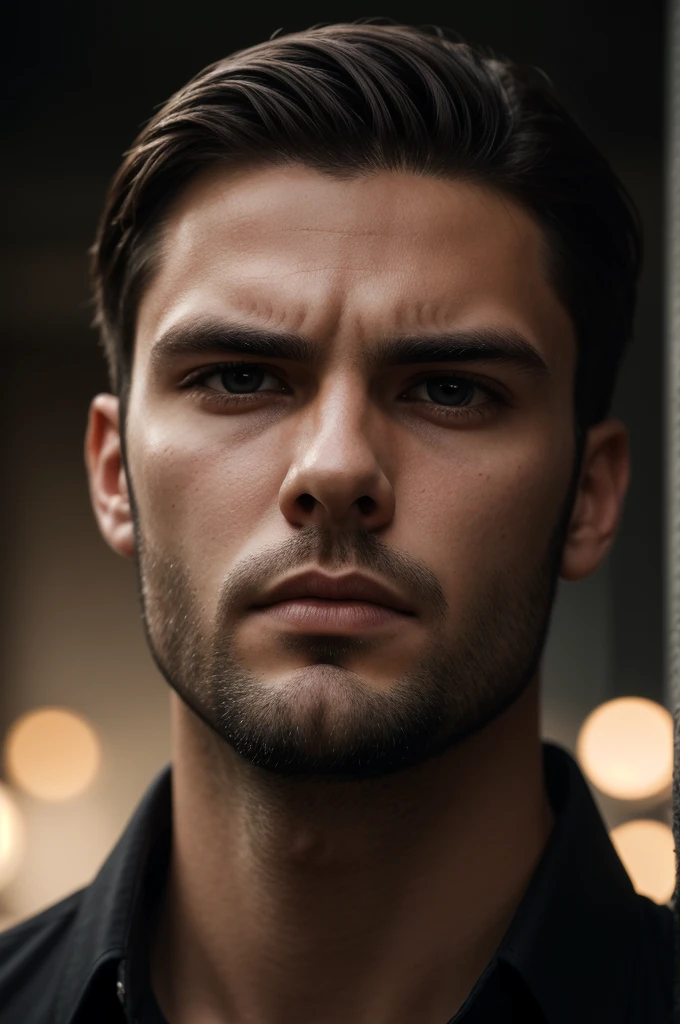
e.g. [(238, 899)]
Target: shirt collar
[(579, 904), (113, 915), (574, 938)]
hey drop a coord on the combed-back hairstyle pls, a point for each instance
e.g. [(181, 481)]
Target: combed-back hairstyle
[(352, 99)]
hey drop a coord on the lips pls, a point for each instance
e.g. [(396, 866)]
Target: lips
[(351, 587)]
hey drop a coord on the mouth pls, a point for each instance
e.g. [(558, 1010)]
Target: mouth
[(332, 616), (318, 603)]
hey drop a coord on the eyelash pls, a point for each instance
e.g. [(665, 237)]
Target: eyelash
[(465, 412)]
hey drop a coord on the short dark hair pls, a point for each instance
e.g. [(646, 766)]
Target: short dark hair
[(351, 99)]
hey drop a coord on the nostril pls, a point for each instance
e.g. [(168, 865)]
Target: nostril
[(307, 502), (366, 505)]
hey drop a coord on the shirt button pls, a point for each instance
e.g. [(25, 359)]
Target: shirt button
[(120, 991)]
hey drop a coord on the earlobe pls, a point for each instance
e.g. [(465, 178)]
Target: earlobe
[(108, 485), (605, 476)]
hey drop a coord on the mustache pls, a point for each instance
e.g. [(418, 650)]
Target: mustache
[(358, 549)]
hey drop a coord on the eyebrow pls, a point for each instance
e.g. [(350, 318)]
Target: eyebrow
[(489, 344)]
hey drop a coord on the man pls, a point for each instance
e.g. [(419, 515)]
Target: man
[(363, 294)]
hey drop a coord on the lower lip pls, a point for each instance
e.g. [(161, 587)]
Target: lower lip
[(314, 615)]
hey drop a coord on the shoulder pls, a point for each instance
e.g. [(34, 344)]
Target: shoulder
[(30, 957)]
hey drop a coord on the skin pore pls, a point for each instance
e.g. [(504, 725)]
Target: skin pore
[(356, 816)]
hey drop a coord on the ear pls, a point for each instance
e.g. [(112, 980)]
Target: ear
[(108, 483), (603, 483)]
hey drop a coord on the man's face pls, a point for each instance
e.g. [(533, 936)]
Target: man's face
[(333, 459)]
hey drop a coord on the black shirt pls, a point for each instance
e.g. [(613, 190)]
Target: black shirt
[(583, 947)]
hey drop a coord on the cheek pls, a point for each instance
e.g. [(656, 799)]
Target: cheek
[(199, 501), (496, 513)]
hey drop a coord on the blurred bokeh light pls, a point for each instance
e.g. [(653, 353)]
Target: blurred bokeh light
[(647, 850), (625, 747), (12, 836), (52, 753)]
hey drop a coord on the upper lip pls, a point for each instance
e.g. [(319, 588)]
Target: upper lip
[(351, 587)]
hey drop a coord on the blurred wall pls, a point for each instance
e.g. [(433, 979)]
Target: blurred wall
[(81, 83)]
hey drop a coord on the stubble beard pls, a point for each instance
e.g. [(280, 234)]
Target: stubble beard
[(326, 720)]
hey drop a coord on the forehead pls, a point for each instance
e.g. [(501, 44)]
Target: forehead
[(345, 260)]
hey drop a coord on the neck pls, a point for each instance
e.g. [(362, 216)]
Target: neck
[(378, 901)]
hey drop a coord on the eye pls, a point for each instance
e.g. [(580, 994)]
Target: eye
[(237, 378), (235, 385), (452, 392), (449, 397)]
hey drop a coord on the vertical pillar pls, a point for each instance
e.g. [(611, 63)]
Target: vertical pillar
[(672, 406)]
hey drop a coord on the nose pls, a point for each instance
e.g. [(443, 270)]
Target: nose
[(336, 479)]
